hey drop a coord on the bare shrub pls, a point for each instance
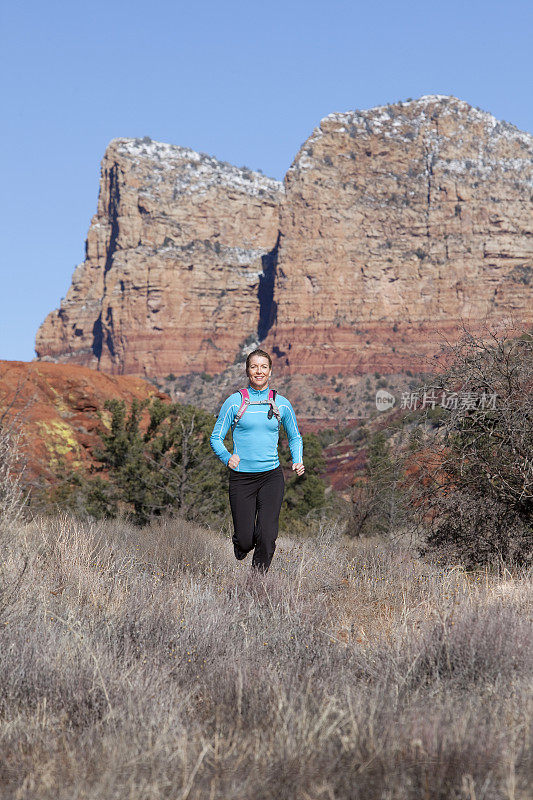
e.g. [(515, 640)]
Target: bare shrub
[(13, 556), (381, 505), (12, 465), (478, 497)]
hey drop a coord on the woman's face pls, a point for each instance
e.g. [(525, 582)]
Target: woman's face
[(259, 372)]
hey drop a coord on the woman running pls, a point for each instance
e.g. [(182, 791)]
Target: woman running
[(256, 482)]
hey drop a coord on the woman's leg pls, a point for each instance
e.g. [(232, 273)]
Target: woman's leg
[(269, 499), (243, 498)]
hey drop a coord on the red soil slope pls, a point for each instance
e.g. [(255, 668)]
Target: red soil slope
[(56, 406)]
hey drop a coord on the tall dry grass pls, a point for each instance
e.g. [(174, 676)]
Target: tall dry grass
[(151, 664)]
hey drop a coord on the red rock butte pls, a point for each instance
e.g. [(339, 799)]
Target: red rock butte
[(393, 228)]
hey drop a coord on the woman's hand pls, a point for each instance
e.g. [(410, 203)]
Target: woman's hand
[(300, 469), (234, 461)]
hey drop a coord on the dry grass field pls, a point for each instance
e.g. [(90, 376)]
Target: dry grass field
[(139, 664)]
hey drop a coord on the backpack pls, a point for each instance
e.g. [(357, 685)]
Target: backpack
[(245, 402)]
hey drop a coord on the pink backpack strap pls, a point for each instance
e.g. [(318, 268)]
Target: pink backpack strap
[(245, 400), (273, 410)]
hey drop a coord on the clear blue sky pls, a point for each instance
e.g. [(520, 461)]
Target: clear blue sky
[(243, 80)]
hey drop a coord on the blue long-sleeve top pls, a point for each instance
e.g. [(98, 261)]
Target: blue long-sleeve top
[(255, 437)]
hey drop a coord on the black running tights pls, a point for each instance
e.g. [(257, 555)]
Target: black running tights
[(255, 500)]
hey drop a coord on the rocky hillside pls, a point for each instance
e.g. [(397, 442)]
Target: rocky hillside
[(56, 407), (393, 226)]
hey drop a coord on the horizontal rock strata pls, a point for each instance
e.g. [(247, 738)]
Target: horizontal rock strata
[(179, 261), (395, 227), (399, 224)]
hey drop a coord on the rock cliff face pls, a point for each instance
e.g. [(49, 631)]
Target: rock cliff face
[(393, 225), (179, 264), (397, 223)]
